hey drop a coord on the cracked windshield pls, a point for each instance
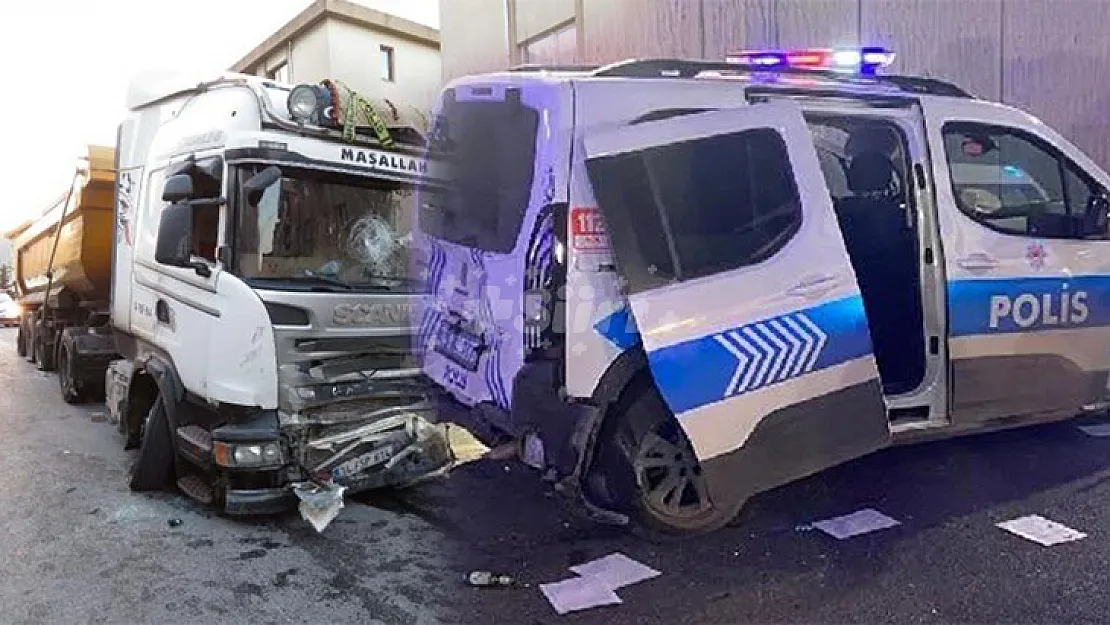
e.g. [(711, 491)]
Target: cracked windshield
[(543, 312), (329, 229)]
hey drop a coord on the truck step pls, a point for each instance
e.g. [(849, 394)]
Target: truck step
[(195, 444), (196, 488), (195, 436)]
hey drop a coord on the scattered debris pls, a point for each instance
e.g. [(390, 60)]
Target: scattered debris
[(320, 504), (71, 489), (94, 511), (1098, 429), (616, 571), (1041, 530), (857, 523), (578, 593), (486, 578), (804, 527), (175, 522)]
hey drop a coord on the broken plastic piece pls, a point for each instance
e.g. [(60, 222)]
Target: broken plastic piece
[(320, 503)]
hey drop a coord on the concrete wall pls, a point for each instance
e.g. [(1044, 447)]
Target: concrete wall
[(355, 60), (1047, 56)]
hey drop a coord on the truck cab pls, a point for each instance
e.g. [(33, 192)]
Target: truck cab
[(701, 280), (260, 294)]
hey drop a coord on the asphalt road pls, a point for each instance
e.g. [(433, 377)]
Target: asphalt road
[(79, 547)]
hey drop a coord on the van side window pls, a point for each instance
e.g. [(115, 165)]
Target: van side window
[(1013, 182), (699, 207)]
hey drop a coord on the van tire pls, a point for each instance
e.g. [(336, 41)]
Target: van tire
[(154, 468), (633, 471)]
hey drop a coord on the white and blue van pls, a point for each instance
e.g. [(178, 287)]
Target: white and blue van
[(680, 283)]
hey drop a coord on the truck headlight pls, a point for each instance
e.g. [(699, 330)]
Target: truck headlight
[(239, 455)]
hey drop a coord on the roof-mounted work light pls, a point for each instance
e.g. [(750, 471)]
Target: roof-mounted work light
[(309, 104)]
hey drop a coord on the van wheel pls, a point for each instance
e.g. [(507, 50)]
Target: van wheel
[(154, 468), (646, 467)]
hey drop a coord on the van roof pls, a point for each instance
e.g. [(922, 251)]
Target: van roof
[(796, 77)]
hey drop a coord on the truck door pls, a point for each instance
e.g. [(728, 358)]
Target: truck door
[(1028, 270), (742, 291)]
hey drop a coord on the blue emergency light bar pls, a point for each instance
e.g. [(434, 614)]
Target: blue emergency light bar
[(865, 60)]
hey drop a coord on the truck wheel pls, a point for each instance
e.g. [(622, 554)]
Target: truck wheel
[(21, 341), (29, 337), (153, 469), (67, 376), (647, 469), (44, 358)]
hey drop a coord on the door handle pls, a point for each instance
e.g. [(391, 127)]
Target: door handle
[(814, 286), (977, 261)]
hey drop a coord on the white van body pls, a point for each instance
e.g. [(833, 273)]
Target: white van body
[(768, 359)]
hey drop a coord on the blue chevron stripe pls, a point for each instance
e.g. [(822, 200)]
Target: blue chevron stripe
[(756, 355), (619, 328)]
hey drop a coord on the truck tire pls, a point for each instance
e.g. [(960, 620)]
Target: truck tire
[(21, 340), (154, 468), (29, 342), (646, 468), (72, 392), (44, 357)]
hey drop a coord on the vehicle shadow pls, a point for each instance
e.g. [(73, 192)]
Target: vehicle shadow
[(770, 565)]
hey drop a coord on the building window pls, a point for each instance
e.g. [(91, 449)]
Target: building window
[(279, 73), (1016, 183), (389, 68), (557, 47)]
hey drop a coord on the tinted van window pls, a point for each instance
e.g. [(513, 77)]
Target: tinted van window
[(695, 208), (488, 150)]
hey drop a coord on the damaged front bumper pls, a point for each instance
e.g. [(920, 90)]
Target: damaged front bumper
[(389, 448)]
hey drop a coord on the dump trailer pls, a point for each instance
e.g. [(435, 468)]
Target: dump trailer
[(63, 275)]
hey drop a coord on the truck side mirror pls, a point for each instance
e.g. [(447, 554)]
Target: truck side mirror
[(175, 238), (257, 184), (178, 188)]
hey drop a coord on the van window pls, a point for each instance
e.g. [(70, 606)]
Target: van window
[(488, 150), (696, 208), (1013, 182)]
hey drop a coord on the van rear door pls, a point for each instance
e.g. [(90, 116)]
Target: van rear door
[(742, 291)]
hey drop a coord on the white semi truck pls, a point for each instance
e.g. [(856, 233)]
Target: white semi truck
[(259, 298)]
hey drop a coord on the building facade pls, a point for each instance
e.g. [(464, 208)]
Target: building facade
[(382, 56), (1046, 56)]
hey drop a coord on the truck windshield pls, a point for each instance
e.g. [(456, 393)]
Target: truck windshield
[(314, 230), (488, 152)]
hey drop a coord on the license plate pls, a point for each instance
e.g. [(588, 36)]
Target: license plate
[(458, 345), (357, 465)]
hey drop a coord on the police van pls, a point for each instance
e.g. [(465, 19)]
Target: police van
[(680, 283)]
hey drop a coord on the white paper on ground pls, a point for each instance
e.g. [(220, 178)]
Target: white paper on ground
[(1098, 429), (860, 522), (578, 593), (616, 570), (1041, 530)]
